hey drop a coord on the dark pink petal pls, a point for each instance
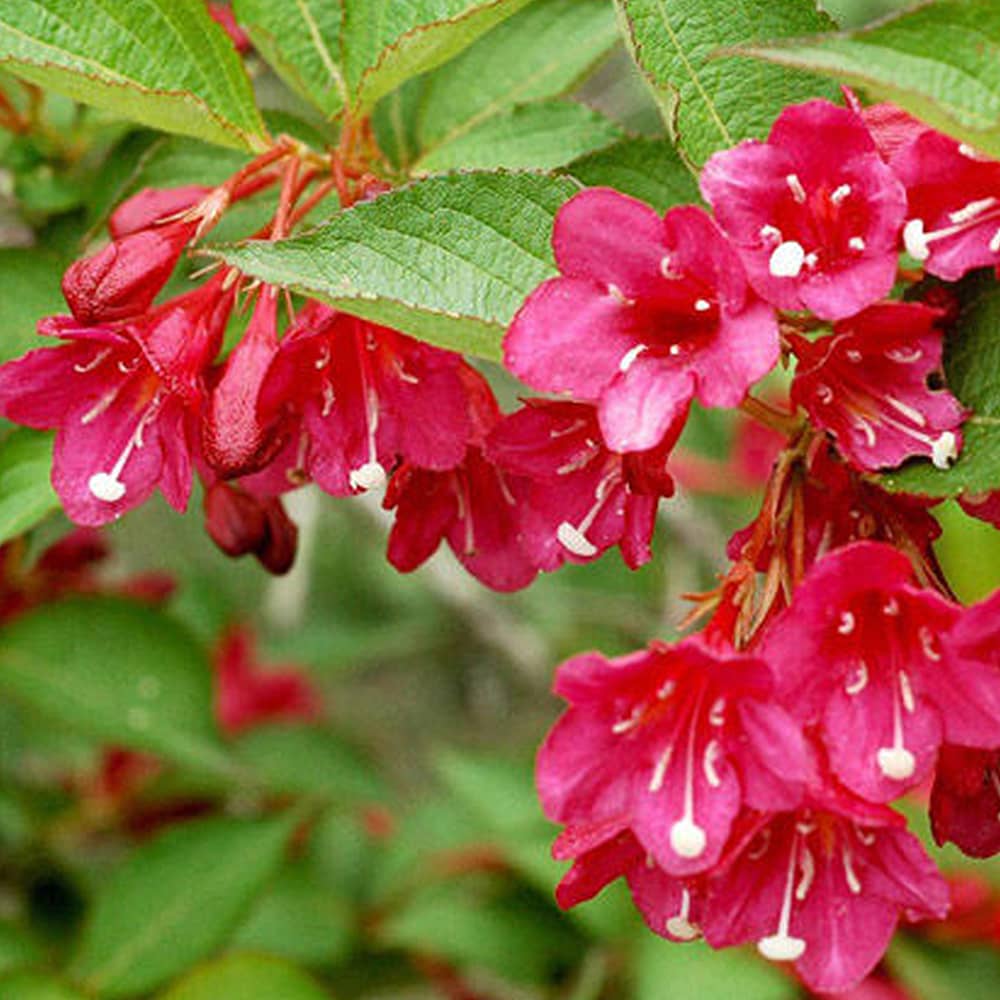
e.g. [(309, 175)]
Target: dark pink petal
[(965, 800), (641, 404), (150, 205), (425, 506)]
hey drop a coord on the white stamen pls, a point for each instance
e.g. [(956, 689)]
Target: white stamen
[(758, 850), (896, 763), (867, 837), (908, 411), (787, 259), (702, 305), (770, 233), (616, 293), (369, 476), (995, 242), (328, 398), (972, 210), (712, 753), (675, 349), (106, 487), (927, 643), (93, 362), (687, 838), (680, 926), (891, 607), (781, 946), (324, 358), (665, 690), (847, 623), (905, 355), (127, 367), (915, 239), (659, 772), (665, 265), (624, 725), (101, 405), (944, 450), (866, 428), (853, 883), (795, 186), (854, 356), (906, 690), (716, 714), (824, 393), (969, 152), (859, 681), (807, 865), (812, 259), (628, 358), (856, 243), (840, 193), (575, 541)]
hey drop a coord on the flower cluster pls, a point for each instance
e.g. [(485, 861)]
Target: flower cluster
[(740, 779)]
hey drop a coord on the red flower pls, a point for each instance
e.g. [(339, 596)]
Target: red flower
[(814, 212), (671, 741), (582, 497), (249, 694), (125, 399), (649, 313), (965, 800), (869, 385)]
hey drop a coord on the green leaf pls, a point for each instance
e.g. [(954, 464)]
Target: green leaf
[(707, 974), (26, 494), (247, 977), (17, 949), (309, 760), (448, 260), (648, 169), (301, 41), (719, 101), (140, 680), (175, 900), (29, 290), (299, 919), (541, 52), (162, 63), (542, 135), (31, 986), (384, 42), (941, 62), (934, 972), (972, 371)]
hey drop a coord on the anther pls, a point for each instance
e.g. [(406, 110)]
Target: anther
[(687, 838), (369, 476), (786, 260), (628, 359), (944, 450), (896, 763), (856, 243), (795, 186), (840, 193), (575, 541), (915, 239)]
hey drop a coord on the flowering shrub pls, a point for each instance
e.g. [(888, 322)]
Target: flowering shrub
[(320, 304)]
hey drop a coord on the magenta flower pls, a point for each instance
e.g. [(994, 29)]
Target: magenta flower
[(965, 800), (863, 651), (583, 498), (648, 314), (814, 212), (953, 221), (125, 399), (152, 205), (358, 395), (671, 741), (823, 887), (876, 385)]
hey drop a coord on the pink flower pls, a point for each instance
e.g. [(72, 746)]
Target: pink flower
[(823, 887), (891, 127), (475, 505), (125, 398), (965, 800), (649, 313), (862, 651), (583, 498), (671, 741), (814, 212), (249, 693), (953, 221), (152, 205), (359, 395), (876, 385)]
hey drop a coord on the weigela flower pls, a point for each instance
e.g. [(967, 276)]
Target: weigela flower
[(476, 506), (814, 212), (243, 523), (235, 439), (862, 651), (649, 313), (965, 800), (671, 742), (583, 498), (152, 205), (984, 506), (125, 398), (823, 886), (891, 127), (875, 384), (953, 220), (249, 693), (359, 396)]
